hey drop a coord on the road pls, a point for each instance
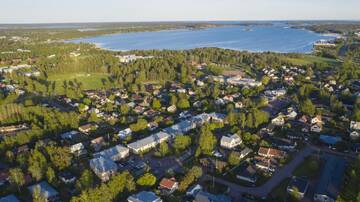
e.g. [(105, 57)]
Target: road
[(262, 191)]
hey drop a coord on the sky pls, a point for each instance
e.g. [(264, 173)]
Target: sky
[(61, 11)]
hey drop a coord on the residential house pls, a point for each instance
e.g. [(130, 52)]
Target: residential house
[(180, 128), (202, 196), (193, 190), (47, 191), (331, 178), (355, 135), (270, 152), (330, 140), (239, 105), (115, 153), (104, 168), (88, 128), (67, 177), (144, 196), (283, 143), (13, 128), (354, 125), (304, 119), (78, 149), (69, 135), (97, 143), (245, 152), (171, 109), (317, 128), (152, 126), (168, 186), (299, 184), (265, 165), (316, 120), (123, 134), (148, 142), (230, 141), (291, 113), (279, 120), (247, 174)]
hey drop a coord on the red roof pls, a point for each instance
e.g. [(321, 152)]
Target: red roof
[(167, 183)]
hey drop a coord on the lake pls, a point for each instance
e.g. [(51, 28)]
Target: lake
[(250, 38)]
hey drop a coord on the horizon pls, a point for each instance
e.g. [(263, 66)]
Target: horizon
[(189, 21), (81, 11)]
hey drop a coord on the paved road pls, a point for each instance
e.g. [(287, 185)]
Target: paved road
[(262, 191)]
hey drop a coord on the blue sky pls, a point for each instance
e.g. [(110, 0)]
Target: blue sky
[(43, 11)]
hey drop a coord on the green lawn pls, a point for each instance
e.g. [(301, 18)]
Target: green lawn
[(310, 59), (279, 192), (308, 168), (89, 81)]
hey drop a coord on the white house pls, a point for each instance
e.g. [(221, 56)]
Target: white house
[(78, 149), (279, 120), (148, 142), (354, 135), (230, 142), (104, 168), (354, 125), (125, 133), (317, 119), (317, 128), (115, 153)]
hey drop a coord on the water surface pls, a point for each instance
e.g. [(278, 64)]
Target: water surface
[(253, 38)]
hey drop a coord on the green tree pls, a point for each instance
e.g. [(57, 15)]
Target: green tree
[(207, 140), (140, 125), (164, 149), (37, 196), (193, 174), (307, 107), (124, 109), (183, 103), (37, 164), (181, 142), (156, 104), (16, 177), (147, 179), (60, 157), (85, 181), (234, 159), (173, 100), (50, 174)]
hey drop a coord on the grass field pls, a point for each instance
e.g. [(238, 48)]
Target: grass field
[(310, 59), (89, 81)]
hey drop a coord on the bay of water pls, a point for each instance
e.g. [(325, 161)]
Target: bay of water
[(253, 39)]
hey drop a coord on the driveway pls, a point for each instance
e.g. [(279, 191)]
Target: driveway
[(262, 191)]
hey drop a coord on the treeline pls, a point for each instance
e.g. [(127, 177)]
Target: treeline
[(43, 121), (110, 191)]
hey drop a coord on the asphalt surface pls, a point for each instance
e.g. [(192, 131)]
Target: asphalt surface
[(262, 191)]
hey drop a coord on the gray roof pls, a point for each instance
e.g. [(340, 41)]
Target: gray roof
[(113, 153), (45, 189), (331, 176), (246, 151), (148, 140), (9, 198), (144, 196), (300, 183), (207, 197), (102, 164), (180, 128)]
